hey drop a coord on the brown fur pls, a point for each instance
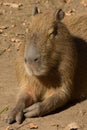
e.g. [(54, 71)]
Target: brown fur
[(77, 26), (55, 85)]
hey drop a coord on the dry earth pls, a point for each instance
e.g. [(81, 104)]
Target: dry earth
[(14, 20)]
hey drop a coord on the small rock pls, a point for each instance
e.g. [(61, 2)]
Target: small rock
[(27, 30), (13, 25), (67, 1), (72, 126), (24, 24), (9, 128), (84, 3), (1, 31), (33, 126), (15, 40), (70, 12), (17, 43), (3, 27), (13, 5), (39, 10)]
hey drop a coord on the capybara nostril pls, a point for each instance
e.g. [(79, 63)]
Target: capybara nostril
[(36, 59)]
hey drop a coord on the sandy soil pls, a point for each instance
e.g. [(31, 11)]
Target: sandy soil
[(14, 20)]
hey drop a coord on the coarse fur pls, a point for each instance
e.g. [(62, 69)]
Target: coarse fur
[(78, 28), (76, 24), (51, 83)]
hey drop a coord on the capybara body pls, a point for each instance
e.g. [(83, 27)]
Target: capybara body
[(48, 67), (77, 26)]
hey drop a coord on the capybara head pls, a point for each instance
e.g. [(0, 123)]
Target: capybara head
[(41, 48)]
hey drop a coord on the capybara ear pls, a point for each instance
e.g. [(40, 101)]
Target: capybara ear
[(59, 14), (35, 11)]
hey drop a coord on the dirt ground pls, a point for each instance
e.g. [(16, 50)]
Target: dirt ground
[(14, 21)]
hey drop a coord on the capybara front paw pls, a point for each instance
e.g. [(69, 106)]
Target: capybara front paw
[(15, 115)]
